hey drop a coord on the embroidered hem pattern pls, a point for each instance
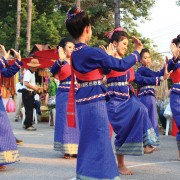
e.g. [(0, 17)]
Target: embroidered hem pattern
[(149, 138), (7, 157), (81, 177), (66, 148), (135, 149)]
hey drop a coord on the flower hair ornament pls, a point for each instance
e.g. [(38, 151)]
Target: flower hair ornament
[(71, 15), (110, 33)]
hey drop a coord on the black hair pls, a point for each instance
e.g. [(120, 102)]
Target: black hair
[(118, 36), (176, 40), (63, 42), (76, 21), (145, 50)]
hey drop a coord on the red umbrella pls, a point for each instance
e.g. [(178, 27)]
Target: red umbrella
[(45, 62), (49, 54)]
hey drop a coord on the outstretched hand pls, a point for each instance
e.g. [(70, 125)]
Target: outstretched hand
[(62, 54), (17, 54), (110, 49), (103, 48), (5, 54), (137, 43), (166, 73)]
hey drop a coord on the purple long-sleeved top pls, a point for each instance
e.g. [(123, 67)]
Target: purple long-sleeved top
[(86, 59), (10, 71)]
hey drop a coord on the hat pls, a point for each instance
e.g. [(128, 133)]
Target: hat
[(20, 77), (34, 63)]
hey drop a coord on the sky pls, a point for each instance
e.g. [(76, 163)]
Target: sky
[(163, 26)]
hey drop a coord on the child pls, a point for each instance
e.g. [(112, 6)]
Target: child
[(147, 92), (95, 155)]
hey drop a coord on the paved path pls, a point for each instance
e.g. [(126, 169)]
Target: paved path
[(38, 160)]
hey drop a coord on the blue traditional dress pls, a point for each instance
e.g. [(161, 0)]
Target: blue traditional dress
[(8, 148), (95, 159), (175, 95), (148, 97), (66, 139), (128, 116)]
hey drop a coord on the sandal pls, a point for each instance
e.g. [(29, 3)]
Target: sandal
[(67, 156)]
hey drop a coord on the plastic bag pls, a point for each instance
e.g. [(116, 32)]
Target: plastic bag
[(167, 112)]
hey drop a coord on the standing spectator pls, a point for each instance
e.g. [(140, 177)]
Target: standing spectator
[(19, 104), (50, 99), (29, 90)]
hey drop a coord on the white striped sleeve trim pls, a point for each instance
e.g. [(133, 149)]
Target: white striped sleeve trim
[(157, 81), (17, 64), (135, 57), (3, 63)]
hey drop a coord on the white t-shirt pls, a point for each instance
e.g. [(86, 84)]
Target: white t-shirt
[(18, 87), (36, 97), (29, 77)]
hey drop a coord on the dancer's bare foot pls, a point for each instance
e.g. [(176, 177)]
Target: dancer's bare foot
[(148, 149), (125, 171), (2, 167)]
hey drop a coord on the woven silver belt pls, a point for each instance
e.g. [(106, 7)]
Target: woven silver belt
[(118, 84), (146, 87), (91, 83), (177, 83), (67, 82)]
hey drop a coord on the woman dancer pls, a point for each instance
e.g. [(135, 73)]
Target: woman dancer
[(66, 139), (128, 116), (95, 155), (174, 65), (147, 92), (8, 148)]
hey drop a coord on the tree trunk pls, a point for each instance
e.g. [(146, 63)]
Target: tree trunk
[(28, 35), (117, 13), (18, 25), (78, 3)]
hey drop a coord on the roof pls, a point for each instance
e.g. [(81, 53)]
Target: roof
[(39, 47)]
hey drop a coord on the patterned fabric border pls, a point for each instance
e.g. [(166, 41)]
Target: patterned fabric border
[(81, 177), (118, 93), (9, 157), (66, 148), (149, 138), (92, 97), (178, 145), (135, 149), (146, 92)]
